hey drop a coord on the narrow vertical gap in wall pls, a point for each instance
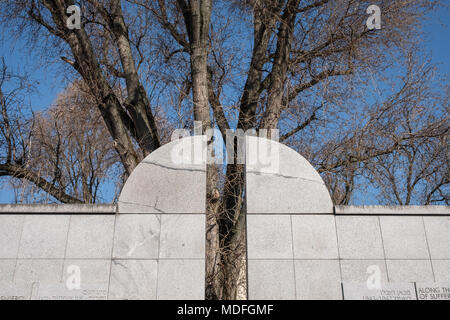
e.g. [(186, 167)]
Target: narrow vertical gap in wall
[(246, 224), (226, 252)]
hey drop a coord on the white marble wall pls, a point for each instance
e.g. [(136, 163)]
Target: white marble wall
[(299, 245), (309, 256), (130, 256)]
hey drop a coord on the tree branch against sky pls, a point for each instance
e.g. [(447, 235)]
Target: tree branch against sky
[(364, 106)]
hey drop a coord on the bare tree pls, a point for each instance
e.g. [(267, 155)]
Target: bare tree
[(294, 65)]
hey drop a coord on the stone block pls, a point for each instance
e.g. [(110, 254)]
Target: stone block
[(441, 269), (182, 236), (7, 270), (404, 238), (410, 270), (438, 236), (393, 210), (15, 291), (136, 236), (44, 236), (314, 237), (269, 237), (90, 237), (283, 182), (359, 237), (181, 280), (40, 271), (271, 280), (10, 231), (133, 280), (167, 181), (318, 280)]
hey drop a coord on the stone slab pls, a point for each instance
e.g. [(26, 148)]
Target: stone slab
[(40, 271), (15, 291), (90, 237), (181, 280), (410, 270), (318, 280), (284, 182), (393, 210), (10, 232), (182, 236), (404, 238), (57, 209), (441, 270), (433, 291), (388, 291), (136, 236), (438, 236), (271, 280), (7, 270), (359, 237), (314, 237), (167, 182), (269, 237), (44, 237), (133, 280)]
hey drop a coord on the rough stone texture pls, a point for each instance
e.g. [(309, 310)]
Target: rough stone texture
[(44, 236), (441, 269), (318, 280), (137, 236), (44, 246), (182, 236), (392, 210), (133, 280), (438, 236), (10, 232), (291, 185), (359, 238), (269, 237), (314, 237), (168, 180), (90, 237), (271, 279), (410, 271), (7, 270), (58, 208), (15, 290), (362, 241), (37, 270), (181, 280), (404, 238)]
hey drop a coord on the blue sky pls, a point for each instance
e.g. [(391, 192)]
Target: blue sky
[(49, 80)]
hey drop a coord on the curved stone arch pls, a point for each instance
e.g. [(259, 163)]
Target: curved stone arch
[(172, 179), (288, 184)]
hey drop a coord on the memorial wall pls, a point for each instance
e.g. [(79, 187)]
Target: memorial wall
[(152, 244)]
